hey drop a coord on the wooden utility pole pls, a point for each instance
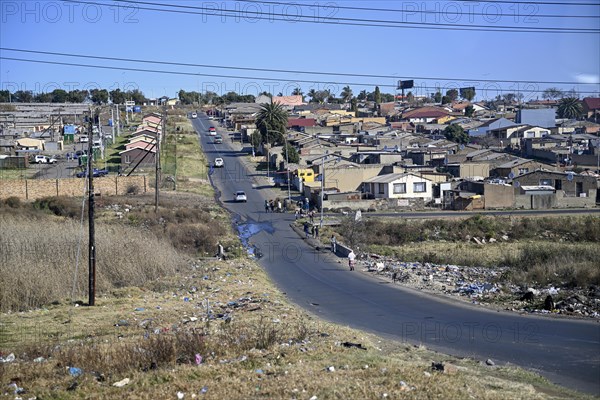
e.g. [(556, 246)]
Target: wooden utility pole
[(157, 158), (91, 205)]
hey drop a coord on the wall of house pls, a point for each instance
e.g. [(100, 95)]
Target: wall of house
[(563, 201), (33, 189), (535, 201), (350, 179), (589, 183), (375, 204), (499, 196)]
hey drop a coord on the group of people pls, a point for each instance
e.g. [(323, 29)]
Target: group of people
[(311, 230), (273, 205)]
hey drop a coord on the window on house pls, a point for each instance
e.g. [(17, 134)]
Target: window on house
[(399, 188), (523, 171), (127, 159), (546, 182), (381, 188), (419, 187)]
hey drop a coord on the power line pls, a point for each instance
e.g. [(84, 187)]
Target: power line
[(154, 62), (419, 11), (550, 3), (258, 78), (259, 15)]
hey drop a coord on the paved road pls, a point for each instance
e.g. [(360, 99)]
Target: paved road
[(565, 351)]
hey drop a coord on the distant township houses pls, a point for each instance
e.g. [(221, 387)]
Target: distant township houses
[(392, 155)]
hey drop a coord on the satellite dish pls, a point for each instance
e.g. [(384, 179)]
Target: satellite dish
[(396, 148), (462, 147), (570, 176), (511, 175), (385, 148), (516, 184)]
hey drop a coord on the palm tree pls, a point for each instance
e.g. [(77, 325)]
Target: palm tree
[(570, 107), (297, 92), (312, 93), (346, 94), (272, 121)]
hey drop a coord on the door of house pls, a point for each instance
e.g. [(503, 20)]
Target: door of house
[(558, 184), (578, 188)]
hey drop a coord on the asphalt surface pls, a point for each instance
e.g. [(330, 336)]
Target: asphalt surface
[(566, 351)]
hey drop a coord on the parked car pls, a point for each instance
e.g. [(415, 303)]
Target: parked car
[(97, 173), (194, 115), (83, 139), (218, 139), (212, 131), (240, 196)]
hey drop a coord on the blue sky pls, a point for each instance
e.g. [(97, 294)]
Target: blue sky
[(240, 39)]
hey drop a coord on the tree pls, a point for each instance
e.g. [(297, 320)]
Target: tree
[(387, 97), (410, 97), (292, 154), (137, 96), (446, 100), (297, 92), (346, 94), (362, 95), (570, 107), (272, 121), (99, 96), (552, 93), (509, 97), (42, 98), (117, 96), (77, 96), (23, 96), (377, 95), (452, 94), (354, 105), (469, 110), (467, 93), (5, 96), (59, 96), (456, 133), (437, 97)]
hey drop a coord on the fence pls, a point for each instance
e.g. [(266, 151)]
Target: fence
[(33, 189)]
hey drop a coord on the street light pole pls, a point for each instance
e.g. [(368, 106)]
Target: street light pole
[(287, 167)]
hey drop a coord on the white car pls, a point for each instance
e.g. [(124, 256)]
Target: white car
[(240, 196), (194, 115), (44, 160), (219, 162), (83, 139)]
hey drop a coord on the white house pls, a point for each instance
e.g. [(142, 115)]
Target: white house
[(399, 186)]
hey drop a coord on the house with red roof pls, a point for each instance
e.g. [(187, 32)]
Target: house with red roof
[(591, 108), (424, 114)]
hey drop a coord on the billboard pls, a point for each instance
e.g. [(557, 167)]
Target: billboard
[(406, 84)]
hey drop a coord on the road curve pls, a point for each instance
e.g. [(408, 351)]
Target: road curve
[(566, 351)]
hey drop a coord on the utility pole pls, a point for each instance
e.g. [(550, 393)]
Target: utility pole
[(157, 159), (322, 186), (118, 121), (91, 227)]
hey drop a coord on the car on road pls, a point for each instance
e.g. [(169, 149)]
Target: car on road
[(83, 139), (219, 162), (240, 196), (39, 159), (212, 131), (97, 173), (194, 115), (218, 139)]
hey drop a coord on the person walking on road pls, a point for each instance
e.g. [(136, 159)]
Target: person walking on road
[(351, 258), (306, 231), (333, 244), (266, 206)]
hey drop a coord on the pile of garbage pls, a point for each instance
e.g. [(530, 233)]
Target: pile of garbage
[(485, 285)]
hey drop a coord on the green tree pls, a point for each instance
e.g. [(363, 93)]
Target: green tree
[(387, 97), (467, 93), (437, 97), (5, 96), (362, 96), (552, 93), (569, 107), (23, 96), (41, 98), (469, 110), (354, 105), (346, 94), (272, 121), (99, 96), (59, 96), (137, 96), (446, 100), (410, 97), (117, 96), (452, 94), (292, 154), (77, 96), (377, 95), (456, 133)]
